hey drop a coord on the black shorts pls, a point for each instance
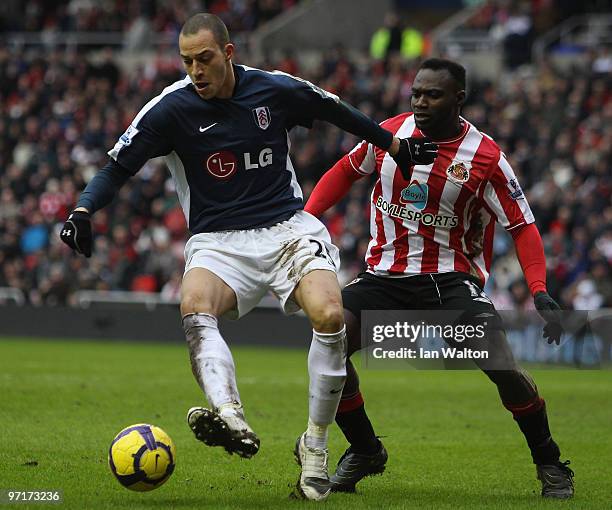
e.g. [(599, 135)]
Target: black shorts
[(436, 291), (458, 293)]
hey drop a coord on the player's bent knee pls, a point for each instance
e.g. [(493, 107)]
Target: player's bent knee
[(197, 302), (329, 319)]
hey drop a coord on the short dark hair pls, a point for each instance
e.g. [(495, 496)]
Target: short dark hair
[(457, 71), (206, 21)]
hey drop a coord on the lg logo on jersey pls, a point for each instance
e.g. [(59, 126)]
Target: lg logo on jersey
[(265, 159), (223, 164)]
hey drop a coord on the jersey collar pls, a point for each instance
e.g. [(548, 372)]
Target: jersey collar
[(464, 130)]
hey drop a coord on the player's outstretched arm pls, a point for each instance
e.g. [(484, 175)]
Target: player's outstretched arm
[(308, 102), (332, 187), (530, 253), (100, 191), (405, 151)]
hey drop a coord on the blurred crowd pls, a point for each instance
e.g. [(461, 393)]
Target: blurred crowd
[(133, 17), (61, 113)]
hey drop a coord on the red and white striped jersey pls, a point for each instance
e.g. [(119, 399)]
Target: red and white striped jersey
[(443, 220)]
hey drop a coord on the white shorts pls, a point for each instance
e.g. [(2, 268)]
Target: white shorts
[(255, 261)]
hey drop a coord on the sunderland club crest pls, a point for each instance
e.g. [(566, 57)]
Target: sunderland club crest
[(458, 172), (262, 116)]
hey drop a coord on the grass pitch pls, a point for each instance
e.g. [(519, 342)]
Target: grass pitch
[(450, 442)]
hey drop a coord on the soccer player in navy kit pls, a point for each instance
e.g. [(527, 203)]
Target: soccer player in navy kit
[(223, 130)]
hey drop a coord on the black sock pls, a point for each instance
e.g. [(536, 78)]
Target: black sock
[(535, 428), (358, 430)]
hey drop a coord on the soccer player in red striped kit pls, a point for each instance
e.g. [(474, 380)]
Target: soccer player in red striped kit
[(432, 230)]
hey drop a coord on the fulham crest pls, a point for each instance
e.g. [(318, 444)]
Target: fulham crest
[(262, 116)]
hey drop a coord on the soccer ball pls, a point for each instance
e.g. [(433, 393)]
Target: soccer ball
[(142, 457)]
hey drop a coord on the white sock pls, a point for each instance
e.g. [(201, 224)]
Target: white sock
[(316, 435), (327, 371), (211, 360)]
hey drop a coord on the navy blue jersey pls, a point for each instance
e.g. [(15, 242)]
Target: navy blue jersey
[(229, 157)]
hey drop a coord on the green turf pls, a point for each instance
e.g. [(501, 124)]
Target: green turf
[(451, 444)]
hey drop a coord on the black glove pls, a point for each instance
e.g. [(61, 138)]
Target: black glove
[(414, 151), (550, 311), (76, 232)]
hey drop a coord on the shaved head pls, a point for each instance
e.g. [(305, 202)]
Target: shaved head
[(206, 21)]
